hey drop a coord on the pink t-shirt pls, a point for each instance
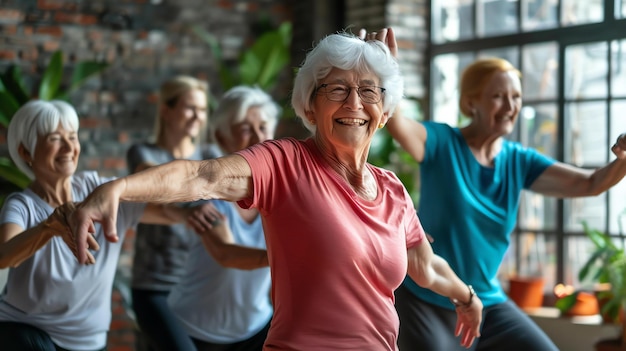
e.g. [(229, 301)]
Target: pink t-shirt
[(335, 258)]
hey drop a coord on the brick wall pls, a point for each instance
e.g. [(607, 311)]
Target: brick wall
[(146, 42)]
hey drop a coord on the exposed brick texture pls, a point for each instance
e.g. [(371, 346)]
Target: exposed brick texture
[(145, 42)]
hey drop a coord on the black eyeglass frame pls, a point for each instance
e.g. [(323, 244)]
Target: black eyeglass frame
[(358, 92)]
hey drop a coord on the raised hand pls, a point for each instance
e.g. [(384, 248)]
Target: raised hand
[(386, 35), (619, 149)]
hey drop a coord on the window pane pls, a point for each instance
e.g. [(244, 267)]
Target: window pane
[(591, 209), (539, 71), (504, 10), (575, 12), (578, 249), (586, 71), (537, 211), (586, 140), (618, 68), (620, 9), (539, 14), (452, 20), (445, 84), (537, 257), (538, 128), (509, 53)]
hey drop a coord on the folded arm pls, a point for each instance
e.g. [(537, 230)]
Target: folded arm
[(17, 244)]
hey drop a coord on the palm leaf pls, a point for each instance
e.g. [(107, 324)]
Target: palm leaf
[(12, 174), (13, 84), (84, 70), (8, 107), (51, 80)]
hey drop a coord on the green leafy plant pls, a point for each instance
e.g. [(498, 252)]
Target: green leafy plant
[(261, 64), (606, 265), (14, 93)]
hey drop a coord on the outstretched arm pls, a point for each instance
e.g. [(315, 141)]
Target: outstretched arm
[(227, 178), (433, 272), (410, 134), (563, 180)]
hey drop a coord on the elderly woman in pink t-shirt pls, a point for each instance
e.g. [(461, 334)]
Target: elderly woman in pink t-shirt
[(341, 234)]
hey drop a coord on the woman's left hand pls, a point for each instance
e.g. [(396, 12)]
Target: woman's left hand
[(468, 322)]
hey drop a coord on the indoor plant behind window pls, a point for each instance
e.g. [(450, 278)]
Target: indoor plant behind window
[(606, 265)]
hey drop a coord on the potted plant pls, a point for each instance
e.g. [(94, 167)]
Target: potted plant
[(606, 266), (14, 93)]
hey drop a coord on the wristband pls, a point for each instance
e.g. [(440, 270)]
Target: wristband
[(458, 303)]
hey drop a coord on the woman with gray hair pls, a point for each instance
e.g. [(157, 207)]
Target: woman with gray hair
[(341, 234), (50, 301), (222, 299)]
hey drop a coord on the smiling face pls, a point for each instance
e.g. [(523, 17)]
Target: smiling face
[(188, 116), (56, 154), (498, 105), (351, 124), (253, 129)]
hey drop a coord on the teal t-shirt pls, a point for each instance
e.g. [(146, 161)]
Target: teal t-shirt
[(469, 209)]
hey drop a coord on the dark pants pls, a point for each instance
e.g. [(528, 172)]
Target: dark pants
[(254, 343), (158, 325), (24, 337), (428, 327)]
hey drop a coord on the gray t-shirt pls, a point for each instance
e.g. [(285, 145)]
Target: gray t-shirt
[(51, 290), (160, 250)]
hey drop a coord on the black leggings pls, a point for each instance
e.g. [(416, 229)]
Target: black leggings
[(254, 343), (16, 336), (424, 326), (159, 327)]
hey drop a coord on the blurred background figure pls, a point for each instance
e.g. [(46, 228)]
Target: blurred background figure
[(223, 297), (161, 251)]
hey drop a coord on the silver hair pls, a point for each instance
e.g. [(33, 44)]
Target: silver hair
[(234, 105), (37, 118), (345, 51)]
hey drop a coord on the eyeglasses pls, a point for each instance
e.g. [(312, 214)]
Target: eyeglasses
[(339, 93)]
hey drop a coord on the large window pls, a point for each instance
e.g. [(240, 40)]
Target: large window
[(573, 59)]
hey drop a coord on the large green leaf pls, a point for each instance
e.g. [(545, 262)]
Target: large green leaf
[(84, 70), (13, 83), (265, 60), (8, 107), (51, 80), (12, 174)]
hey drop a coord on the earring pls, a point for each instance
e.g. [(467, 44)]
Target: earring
[(380, 126), (473, 111), (30, 164), (312, 121)]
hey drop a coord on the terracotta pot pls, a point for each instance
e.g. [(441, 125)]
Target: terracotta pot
[(610, 345), (586, 305), (526, 292)]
